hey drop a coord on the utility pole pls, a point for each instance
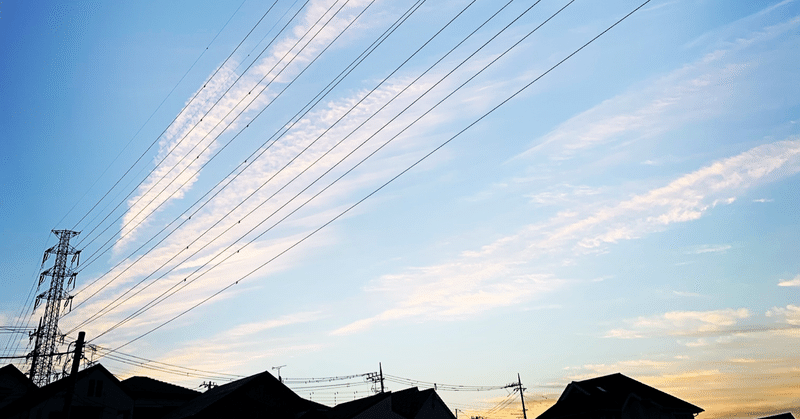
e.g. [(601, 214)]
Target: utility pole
[(48, 335), (521, 397), (34, 355), (279, 371), (380, 369), (375, 378), (76, 362)]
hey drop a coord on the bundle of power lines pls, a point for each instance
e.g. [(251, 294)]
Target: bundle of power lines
[(172, 173)]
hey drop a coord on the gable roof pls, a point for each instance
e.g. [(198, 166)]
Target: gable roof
[(13, 371), (408, 402), (43, 393), (139, 386), (14, 384), (276, 392), (352, 408), (610, 393)]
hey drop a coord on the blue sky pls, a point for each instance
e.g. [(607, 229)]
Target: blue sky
[(633, 211)]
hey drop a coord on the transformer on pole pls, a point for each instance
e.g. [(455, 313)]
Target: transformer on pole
[(47, 335)]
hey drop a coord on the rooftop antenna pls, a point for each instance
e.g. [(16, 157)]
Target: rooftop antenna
[(279, 371)]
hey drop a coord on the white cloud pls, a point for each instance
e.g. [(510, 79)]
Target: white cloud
[(259, 206), (697, 91), (632, 367), (684, 199), (789, 314), (194, 132), (501, 273), (689, 322), (794, 282), (679, 323), (435, 293), (708, 248), (623, 334)]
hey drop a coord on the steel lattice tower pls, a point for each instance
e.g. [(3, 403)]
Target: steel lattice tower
[(47, 335)]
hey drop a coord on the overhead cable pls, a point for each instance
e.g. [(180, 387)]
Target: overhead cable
[(174, 147), (151, 117), (398, 175), (188, 103), (249, 161), (182, 284)]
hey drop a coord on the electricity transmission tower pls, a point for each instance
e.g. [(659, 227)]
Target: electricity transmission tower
[(47, 334)]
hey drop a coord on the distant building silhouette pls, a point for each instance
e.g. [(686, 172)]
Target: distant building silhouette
[(152, 399), (256, 396), (616, 396), (13, 384), (98, 394), (410, 403)]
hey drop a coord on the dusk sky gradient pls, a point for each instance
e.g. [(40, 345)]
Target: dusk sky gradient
[(633, 210)]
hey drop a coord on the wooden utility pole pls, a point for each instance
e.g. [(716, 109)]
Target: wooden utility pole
[(35, 353), (522, 397), (380, 370), (76, 363)]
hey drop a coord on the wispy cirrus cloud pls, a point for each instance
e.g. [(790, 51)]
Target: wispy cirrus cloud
[(215, 108), (697, 91), (502, 273), (708, 248), (260, 204), (682, 323), (231, 350)]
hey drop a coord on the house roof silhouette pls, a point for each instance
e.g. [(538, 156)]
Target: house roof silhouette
[(260, 395), (56, 389), (614, 393), (349, 409), (408, 404), (139, 386), (13, 384)]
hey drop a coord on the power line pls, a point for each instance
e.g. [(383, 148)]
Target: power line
[(402, 172), (322, 379), (206, 194), (343, 138), (148, 120), (249, 161), (442, 386), (165, 364), (30, 293), (13, 345), (255, 46), (179, 142), (165, 370), (176, 177), (154, 302)]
